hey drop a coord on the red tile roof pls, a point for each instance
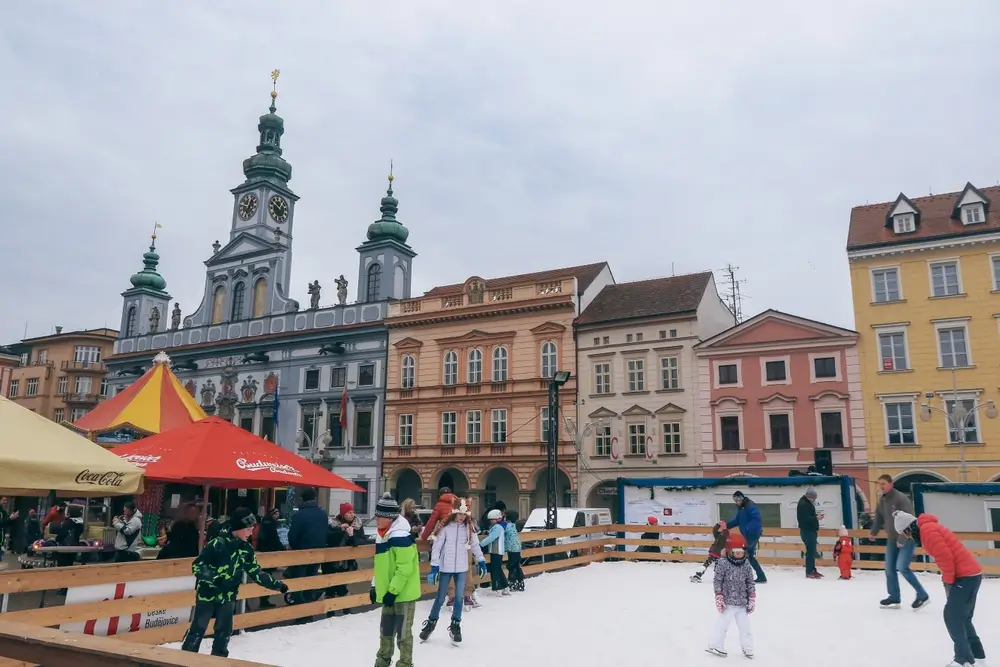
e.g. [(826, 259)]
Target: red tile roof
[(647, 298), (584, 275), (868, 222)]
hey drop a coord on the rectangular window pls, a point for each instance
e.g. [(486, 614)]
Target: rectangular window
[(405, 430), (78, 413), (309, 424), (105, 387), (672, 438), (886, 284), (904, 223), (637, 439), (944, 279), (360, 498), (832, 425), (636, 375), (544, 420), (602, 441), (825, 367), (606, 340), (83, 385), (781, 432), (267, 426), (954, 350), (12, 391), (366, 375), (25, 358), (663, 334), (602, 378), (338, 377), (973, 214), (32, 387), (499, 422), (246, 421), (996, 273), (774, 371), (475, 367), (892, 350), (312, 379), (473, 427), (597, 341), (730, 431), (451, 368), (449, 428), (957, 434), (728, 374), (628, 338), (43, 356), (58, 415), (363, 428), (84, 354), (336, 430), (670, 377), (638, 338), (899, 423)]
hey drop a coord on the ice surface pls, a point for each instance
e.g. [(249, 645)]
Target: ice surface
[(650, 615)]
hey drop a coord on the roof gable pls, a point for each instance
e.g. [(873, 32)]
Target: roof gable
[(244, 244), (970, 196), (670, 409), (773, 326), (648, 298), (408, 343), (902, 206), (636, 411), (548, 328), (602, 413)]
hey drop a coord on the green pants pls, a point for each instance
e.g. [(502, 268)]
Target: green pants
[(397, 622)]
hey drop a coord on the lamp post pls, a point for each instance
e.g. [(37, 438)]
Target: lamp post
[(559, 378), (958, 419), (304, 439)]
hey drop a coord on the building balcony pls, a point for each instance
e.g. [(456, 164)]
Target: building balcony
[(37, 362), (486, 388), (98, 367), (486, 450), (75, 398)]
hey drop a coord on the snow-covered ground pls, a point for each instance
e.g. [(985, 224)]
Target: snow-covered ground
[(649, 614)]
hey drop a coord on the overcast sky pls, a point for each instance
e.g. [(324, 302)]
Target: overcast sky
[(659, 136)]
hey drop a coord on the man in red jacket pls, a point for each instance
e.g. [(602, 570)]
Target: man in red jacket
[(962, 576)]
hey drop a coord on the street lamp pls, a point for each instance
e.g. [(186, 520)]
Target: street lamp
[(303, 440), (958, 420), (559, 378)]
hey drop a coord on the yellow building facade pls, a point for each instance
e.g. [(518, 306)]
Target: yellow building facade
[(925, 276)]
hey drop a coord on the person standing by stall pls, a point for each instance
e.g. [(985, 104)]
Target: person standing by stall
[(128, 528)]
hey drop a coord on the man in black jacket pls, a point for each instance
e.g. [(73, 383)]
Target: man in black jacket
[(308, 531), (809, 530), (269, 541)]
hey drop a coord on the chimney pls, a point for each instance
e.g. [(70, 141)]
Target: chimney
[(58, 330)]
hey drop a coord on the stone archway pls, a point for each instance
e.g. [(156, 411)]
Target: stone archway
[(604, 495), (905, 481), (454, 479), (499, 483), (564, 489), (407, 484)]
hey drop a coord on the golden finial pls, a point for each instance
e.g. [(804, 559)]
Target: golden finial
[(156, 226), (275, 73), (390, 173)]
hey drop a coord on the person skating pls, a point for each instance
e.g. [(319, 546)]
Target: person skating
[(898, 549), (442, 508), (396, 585), (721, 536), (454, 541), (651, 536), (843, 553), (962, 576), (735, 597), (494, 541), (218, 571), (512, 545), (751, 526)]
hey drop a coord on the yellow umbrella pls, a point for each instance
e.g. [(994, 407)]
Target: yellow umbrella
[(38, 456)]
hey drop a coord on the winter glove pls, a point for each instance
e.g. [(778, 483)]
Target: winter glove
[(389, 599), (371, 595), (751, 604), (482, 569), (282, 587), (720, 603), (432, 578)]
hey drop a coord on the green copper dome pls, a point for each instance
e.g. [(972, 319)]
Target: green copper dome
[(148, 277), (268, 164), (387, 228)]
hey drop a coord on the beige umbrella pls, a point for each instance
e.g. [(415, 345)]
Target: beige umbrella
[(38, 456)]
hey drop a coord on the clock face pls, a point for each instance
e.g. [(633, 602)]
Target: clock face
[(247, 207), (278, 208)]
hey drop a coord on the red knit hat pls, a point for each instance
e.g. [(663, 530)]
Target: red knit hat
[(345, 508), (651, 521), (736, 541)]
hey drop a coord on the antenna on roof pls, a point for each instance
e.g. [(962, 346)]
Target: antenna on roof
[(733, 296), (672, 272)]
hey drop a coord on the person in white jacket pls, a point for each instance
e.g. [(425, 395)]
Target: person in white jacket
[(454, 539), (128, 529)]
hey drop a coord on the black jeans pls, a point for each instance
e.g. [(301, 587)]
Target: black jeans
[(514, 573), (809, 539), (126, 556), (204, 612), (498, 581), (958, 613)]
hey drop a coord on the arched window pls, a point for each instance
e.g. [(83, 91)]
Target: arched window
[(500, 364), (259, 298), (374, 281), (239, 290), (408, 376), (548, 359), (218, 303), (475, 367), (451, 367), (130, 322)]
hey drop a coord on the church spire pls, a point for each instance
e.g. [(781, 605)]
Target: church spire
[(149, 277), (387, 227), (267, 164)]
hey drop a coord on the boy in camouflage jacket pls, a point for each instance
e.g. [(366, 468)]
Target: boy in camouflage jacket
[(218, 571)]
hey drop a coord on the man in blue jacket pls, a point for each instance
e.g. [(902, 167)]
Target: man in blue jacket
[(309, 528), (748, 520)]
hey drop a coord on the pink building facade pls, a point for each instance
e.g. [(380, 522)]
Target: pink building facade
[(773, 390)]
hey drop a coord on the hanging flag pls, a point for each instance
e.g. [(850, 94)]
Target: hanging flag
[(343, 409), (275, 418)]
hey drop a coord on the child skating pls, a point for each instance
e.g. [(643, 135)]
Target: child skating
[(450, 562), (494, 541), (714, 552), (843, 553), (512, 545), (735, 597), (396, 585)]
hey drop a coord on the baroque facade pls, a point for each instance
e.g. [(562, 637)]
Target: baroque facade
[(638, 381), (252, 354), (467, 386)]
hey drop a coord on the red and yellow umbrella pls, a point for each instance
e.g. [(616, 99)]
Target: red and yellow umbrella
[(154, 403)]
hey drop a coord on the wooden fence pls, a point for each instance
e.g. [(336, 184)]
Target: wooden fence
[(25, 637)]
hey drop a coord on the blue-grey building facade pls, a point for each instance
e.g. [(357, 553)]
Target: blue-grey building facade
[(248, 340)]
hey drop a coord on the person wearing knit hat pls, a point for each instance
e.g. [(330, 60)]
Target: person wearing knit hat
[(809, 530), (346, 530), (396, 584), (650, 536)]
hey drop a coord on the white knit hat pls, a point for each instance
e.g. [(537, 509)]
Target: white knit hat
[(901, 520)]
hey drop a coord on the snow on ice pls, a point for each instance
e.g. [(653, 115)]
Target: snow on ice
[(650, 615)]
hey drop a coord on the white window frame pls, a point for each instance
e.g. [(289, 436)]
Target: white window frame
[(449, 428), (904, 223), (674, 371), (888, 399), (450, 368), (475, 374), (727, 362), (543, 424), (995, 272), (408, 372), (833, 354), (59, 415), (635, 374), (500, 365), (895, 268), (105, 387), (81, 381), (963, 324), (844, 431), (78, 413), (87, 354), (63, 385), (31, 387), (636, 434), (940, 263), (787, 359), (602, 440), (977, 211), (406, 430), (672, 434), (781, 409), (13, 388), (948, 397), (498, 422), (474, 427), (551, 365), (892, 329), (608, 376), (718, 429)]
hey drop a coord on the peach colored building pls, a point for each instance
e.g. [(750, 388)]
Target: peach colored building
[(776, 388), (8, 362), (467, 386)]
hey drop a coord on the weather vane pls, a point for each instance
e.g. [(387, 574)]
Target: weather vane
[(275, 73), (156, 226), (390, 171)]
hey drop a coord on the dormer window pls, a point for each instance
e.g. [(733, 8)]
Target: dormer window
[(972, 214), (971, 207), (903, 224)]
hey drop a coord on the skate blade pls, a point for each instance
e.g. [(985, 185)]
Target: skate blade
[(889, 606), (748, 656), (716, 653), (694, 580)]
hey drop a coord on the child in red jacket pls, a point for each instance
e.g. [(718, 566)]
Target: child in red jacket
[(843, 553)]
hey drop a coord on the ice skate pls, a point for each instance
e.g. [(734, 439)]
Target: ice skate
[(716, 651), (427, 629), (505, 592), (455, 632), (451, 602), (696, 578), (961, 664), (889, 603), (748, 654), (920, 602), (472, 601)]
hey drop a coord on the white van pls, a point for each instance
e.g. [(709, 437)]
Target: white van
[(566, 517)]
